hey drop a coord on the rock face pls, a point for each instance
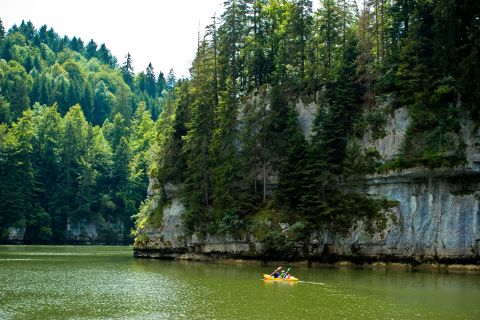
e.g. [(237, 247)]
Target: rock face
[(306, 113), (170, 235), (16, 235), (84, 232), (395, 129), (81, 232), (437, 219)]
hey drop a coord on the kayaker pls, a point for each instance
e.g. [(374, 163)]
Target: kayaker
[(275, 273), (283, 274)]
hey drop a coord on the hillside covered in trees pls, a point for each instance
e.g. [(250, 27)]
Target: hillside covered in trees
[(234, 121), (80, 134), (75, 133)]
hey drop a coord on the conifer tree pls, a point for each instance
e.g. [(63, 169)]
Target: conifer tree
[(2, 30), (292, 170), (328, 34), (197, 141), (91, 49), (171, 81), (74, 141), (47, 144), (17, 197), (127, 71), (161, 84), (105, 56), (150, 81)]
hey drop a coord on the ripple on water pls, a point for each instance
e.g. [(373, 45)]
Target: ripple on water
[(94, 291)]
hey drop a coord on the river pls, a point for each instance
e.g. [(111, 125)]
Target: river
[(106, 282)]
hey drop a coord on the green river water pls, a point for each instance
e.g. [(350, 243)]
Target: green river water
[(103, 282)]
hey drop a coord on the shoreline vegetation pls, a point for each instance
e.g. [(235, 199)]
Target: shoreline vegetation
[(332, 262), (233, 151), (82, 135)]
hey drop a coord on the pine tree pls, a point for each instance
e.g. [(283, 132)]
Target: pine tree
[(127, 71), (161, 84), (150, 81), (76, 44), (91, 49), (120, 177), (297, 31), (86, 180), (73, 148), (47, 144), (2, 30), (197, 190), (105, 56), (231, 35), (292, 171), (18, 175), (365, 58), (104, 102), (118, 130), (171, 81), (327, 39)]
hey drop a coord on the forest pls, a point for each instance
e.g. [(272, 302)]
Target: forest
[(75, 133), (234, 121), (81, 134)]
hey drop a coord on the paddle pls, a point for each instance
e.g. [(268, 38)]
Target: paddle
[(275, 270)]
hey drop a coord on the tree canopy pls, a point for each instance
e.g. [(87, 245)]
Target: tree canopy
[(76, 131), (233, 125)]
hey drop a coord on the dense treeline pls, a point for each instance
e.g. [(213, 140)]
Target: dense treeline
[(75, 130), (225, 129)]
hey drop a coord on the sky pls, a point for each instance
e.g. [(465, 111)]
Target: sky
[(163, 32)]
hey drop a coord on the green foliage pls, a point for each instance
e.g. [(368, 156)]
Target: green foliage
[(347, 209), (41, 67), (287, 243), (231, 224), (373, 121), (292, 174), (15, 86), (433, 138), (149, 217), (225, 133), (261, 222), (360, 162), (426, 78), (38, 227), (156, 217), (222, 131), (58, 168), (141, 241)]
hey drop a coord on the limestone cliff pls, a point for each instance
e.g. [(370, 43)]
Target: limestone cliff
[(82, 232), (437, 219)]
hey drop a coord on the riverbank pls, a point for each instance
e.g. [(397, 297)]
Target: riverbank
[(332, 262)]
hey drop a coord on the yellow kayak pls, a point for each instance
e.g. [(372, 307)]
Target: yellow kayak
[(268, 277)]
